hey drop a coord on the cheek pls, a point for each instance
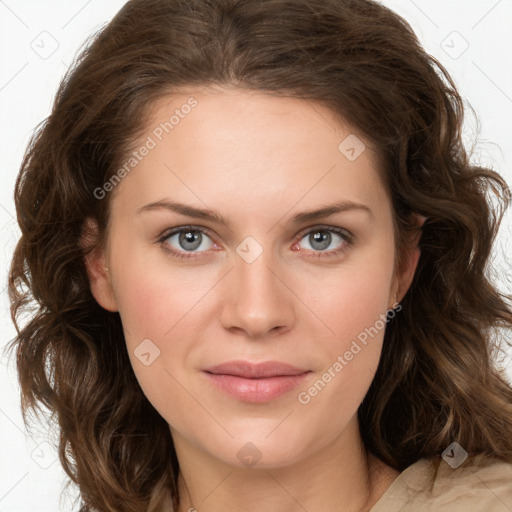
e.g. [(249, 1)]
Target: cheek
[(353, 305), (170, 308), (153, 302), (156, 323), (351, 300)]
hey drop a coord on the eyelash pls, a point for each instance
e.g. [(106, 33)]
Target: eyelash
[(347, 237)]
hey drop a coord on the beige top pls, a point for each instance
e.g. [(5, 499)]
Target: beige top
[(468, 488)]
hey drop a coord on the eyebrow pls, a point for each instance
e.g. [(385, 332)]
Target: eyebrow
[(212, 216)]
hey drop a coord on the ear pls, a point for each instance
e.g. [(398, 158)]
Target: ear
[(405, 274), (96, 266)]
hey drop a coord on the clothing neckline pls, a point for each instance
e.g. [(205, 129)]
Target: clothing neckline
[(404, 487)]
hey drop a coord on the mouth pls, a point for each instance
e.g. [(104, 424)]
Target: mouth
[(255, 382)]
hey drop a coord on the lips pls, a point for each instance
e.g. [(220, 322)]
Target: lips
[(255, 370), (255, 382)]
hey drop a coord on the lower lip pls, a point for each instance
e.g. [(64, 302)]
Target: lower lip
[(256, 390)]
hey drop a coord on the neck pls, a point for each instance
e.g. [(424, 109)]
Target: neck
[(339, 476)]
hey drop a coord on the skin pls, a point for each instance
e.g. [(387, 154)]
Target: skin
[(257, 160)]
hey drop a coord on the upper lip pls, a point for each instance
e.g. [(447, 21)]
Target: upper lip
[(255, 370)]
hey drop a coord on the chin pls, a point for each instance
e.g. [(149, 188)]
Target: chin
[(265, 444), (260, 454)]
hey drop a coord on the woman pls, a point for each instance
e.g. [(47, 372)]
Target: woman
[(267, 289)]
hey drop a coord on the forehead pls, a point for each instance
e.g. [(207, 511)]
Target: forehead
[(250, 149)]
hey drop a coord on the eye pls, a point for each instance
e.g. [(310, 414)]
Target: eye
[(190, 241), (186, 239), (321, 238)]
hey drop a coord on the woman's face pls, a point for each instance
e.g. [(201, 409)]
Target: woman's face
[(256, 276)]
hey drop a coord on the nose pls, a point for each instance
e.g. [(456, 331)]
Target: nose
[(258, 301)]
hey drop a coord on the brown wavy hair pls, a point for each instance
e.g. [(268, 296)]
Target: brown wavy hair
[(437, 381)]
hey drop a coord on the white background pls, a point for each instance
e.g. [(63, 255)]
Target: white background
[(30, 476)]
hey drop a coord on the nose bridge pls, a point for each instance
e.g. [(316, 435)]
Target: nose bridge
[(259, 301)]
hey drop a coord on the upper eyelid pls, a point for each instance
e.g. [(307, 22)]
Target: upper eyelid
[(323, 227), (178, 229)]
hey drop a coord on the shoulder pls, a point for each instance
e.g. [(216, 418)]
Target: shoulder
[(480, 484)]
